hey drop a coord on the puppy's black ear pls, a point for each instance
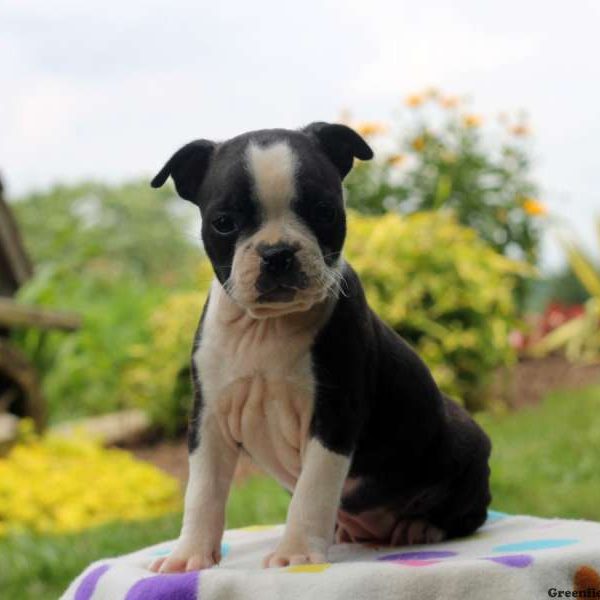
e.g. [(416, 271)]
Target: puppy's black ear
[(340, 143), (187, 167)]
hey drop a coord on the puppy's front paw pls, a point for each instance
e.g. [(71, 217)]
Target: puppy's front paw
[(188, 556), (297, 551)]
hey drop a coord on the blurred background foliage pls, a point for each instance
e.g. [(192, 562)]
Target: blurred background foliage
[(159, 381), (448, 234), (113, 254), (109, 233)]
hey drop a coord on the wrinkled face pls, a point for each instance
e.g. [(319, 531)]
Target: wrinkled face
[(273, 222)]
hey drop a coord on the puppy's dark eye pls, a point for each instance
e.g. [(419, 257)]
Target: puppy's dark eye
[(224, 225), (324, 213)]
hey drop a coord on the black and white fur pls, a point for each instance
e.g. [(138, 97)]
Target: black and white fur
[(291, 366)]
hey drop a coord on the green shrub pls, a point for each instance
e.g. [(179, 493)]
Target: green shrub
[(112, 254), (81, 371)]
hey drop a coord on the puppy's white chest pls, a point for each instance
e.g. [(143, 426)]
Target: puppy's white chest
[(257, 381)]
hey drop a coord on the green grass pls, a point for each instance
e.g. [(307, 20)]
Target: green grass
[(546, 461), (41, 567)]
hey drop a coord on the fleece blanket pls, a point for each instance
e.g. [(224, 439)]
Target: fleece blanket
[(510, 557)]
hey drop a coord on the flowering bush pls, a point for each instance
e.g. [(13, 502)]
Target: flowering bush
[(56, 484), (442, 157)]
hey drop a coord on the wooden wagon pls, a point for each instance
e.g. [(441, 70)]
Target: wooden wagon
[(20, 391)]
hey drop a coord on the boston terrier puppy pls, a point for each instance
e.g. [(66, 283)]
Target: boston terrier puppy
[(291, 366)]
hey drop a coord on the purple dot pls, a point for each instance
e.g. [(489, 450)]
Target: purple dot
[(518, 561), (177, 586), (425, 555), (88, 583)]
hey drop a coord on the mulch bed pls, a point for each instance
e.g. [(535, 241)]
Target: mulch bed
[(172, 457), (530, 380), (525, 385)]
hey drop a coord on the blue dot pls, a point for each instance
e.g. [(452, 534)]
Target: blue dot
[(494, 515), (535, 545), (225, 549), (161, 551)]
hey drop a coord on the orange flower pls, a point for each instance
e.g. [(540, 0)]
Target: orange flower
[(520, 130), (414, 100), (395, 160), (370, 128), (449, 102), (471, 121), (419, 143), (534, 208)]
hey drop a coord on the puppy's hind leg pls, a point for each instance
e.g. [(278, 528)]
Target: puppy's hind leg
[(384, 526), (467, 496), (408, 532)]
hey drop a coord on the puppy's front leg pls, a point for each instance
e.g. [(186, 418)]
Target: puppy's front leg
[(212, 465), (312, 512)]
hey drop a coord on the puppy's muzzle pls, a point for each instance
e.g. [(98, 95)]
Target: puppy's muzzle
[(280, 275)]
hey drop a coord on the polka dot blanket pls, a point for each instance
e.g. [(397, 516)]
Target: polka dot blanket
[(510, 557)]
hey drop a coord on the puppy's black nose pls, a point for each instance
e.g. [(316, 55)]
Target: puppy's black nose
[(278, 259)]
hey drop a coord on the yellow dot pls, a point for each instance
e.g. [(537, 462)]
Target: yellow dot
[(308, 568), (257, 528)]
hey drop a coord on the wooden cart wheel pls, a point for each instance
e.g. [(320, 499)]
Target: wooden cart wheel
[(20, 390)]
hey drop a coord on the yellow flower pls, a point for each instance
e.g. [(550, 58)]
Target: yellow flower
[(370, 128), (395, 160), (520, 130), (414, 100), (472, 121), (534, 208), (432, 92), (449, 101), (72, 484), (418, 143)]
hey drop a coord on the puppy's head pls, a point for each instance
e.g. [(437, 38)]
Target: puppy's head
[(273, 221)]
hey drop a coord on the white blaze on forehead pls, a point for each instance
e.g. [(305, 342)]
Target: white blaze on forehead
[(272, 169)]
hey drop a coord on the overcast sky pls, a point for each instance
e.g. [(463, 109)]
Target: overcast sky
[(108, 89)]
